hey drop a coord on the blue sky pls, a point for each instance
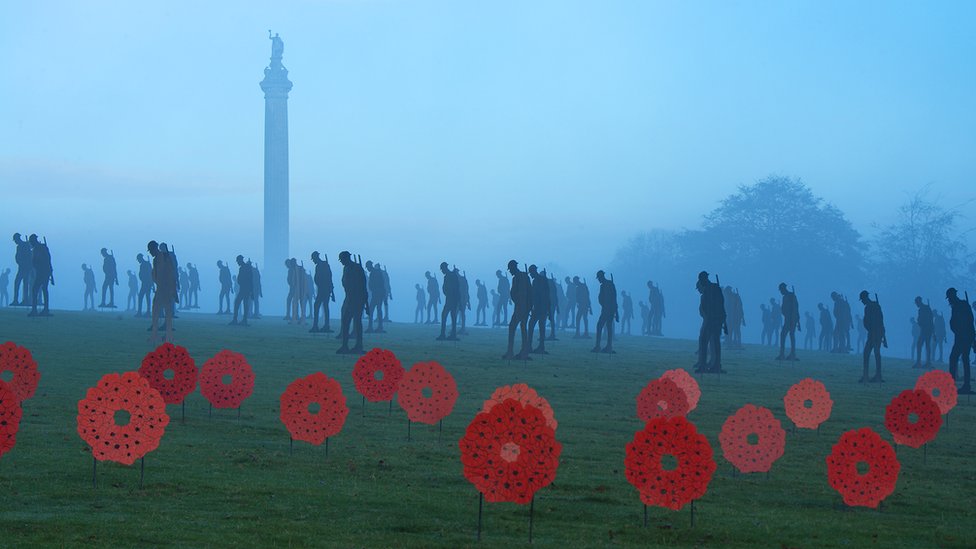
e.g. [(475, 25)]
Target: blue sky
[(543, 130)]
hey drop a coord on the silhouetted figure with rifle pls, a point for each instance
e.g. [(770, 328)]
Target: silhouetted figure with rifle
[(193, 294), (145, 285), (43, 273), (257, 292), (791, 322), (111, 280), (874, 323), (464, 300), (433, 297), (736, 317), (521, 296), (452, 299), (495, 307), (775, 312), (377, 295), (553, 306), (184, 278), (712, 310), (811, 324), (559, 314), (291, 278), (655, 300), (226, 285), (825, 343), (418, 314), (89, 279), (766, 336), (961, 324), (569, 312), (583, 308), (939, 334), (130, 300), (627, 303), (504, 290), (481, 294), (353, 305), (245, 282), (608, 313), (388, 295), (324, 292), (23, 280), (842, 323), (164, 300), (926, 330), (540, 308)]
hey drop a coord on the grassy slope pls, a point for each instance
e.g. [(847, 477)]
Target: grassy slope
[(223, 481)]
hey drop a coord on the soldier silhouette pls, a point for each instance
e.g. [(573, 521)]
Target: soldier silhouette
[(733, 319), (825, 343), (569, 312), (540, 308), (256, 292), (418, 314), (353, 305), (193, 295), (712, 310), (303, 294), (874, 324), (433, 297), (561, 303), (504, 290), (4, 284), (291, 277), (495, 307), (628, 307), (645, 317), (961, 324), (43, 273), (377, 295), (915, 331), (655, 301), (862, 333), (553, 305), (388, 295), (775, 313), (811, 325), (608, 313), (766, 336), (791, 322), (25, 265), (111, 279), (164, 278), (452, 299), (481, 313), (324, 291), (583, 308), (176, 266), (245, 283), (133, 297), (939, 334), (842, 323), (521, 296), (926, 330), (89, 279), (145, 285), (464, 301), (184, 278), (226, 285)]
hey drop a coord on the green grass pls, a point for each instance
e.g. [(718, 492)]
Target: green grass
[(230, 482)]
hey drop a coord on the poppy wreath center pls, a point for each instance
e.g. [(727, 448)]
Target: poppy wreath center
[(510, 451)]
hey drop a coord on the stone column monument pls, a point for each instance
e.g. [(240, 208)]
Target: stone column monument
[(276, 87)]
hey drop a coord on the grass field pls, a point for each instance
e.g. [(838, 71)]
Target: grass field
[(224, 481)]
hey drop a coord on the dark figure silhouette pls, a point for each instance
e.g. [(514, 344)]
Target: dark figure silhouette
[(226, 285), (377, 295), (433, 297), (324, 291), (481, 313), (939, 334), (184, 278), (645, 314), (521, 296), (608, 313), (193, 297), (926, 330), (553, 306), (569, 312), (4, 284), (130, 300), (842, 323), (740, 315), (245, 284), (452, 299), (504, 290), (961, 324), (540, 308), (583, 308), (164, 278), (811, 326), (712, 310), (561, 303), (766, 336), (495, 307), (862, 333), (874, 324), (791, 322), (145, 285), (43, 274), (655, 300), (388, 295), (418, 314), (176, 268), (464, 301), (915, 331), (256, 293), (775, 312), (23, 282), (353, 305), (111, 280), (310, 291), (89, 278), (734, 319), (291, 277), (826, 329), (628, 307)]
